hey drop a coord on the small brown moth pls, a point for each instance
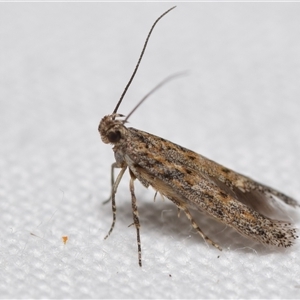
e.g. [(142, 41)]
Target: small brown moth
[(191, 181)]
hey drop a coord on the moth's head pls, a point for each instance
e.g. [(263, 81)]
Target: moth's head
[(112, 130)]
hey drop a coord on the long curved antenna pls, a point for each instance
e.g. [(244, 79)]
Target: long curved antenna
[(153, 90), (140, 58)]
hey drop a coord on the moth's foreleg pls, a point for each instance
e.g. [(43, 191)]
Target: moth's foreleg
[(112, 180), (195, 225), (135, 218), (113, 194)]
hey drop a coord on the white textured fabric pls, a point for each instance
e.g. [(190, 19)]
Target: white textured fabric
[(63, 67)]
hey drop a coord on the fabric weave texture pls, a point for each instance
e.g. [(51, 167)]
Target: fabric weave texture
[(63, 67)]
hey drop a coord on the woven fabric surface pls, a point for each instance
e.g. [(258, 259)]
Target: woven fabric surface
[(63, 67)]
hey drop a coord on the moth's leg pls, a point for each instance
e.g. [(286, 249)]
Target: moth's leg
[(194, 224), (135, 217), (113, 194), (112, 180)]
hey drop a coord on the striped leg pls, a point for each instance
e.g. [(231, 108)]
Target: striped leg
[(135, 219), (113, 194), (112, 181), (194, 224)]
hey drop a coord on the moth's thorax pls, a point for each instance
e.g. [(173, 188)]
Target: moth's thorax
[(112, 130)]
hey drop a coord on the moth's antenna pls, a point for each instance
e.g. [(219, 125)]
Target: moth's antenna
[(152, 91), (140, 58)]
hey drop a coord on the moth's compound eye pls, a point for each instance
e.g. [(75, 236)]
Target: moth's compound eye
[(114, 136)]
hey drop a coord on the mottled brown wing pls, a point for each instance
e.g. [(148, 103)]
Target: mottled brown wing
[(189, 179), (254, 194)]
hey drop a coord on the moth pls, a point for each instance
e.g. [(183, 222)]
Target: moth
[(191, 181)]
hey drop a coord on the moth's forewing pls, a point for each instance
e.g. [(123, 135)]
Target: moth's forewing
[(191, 180)]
